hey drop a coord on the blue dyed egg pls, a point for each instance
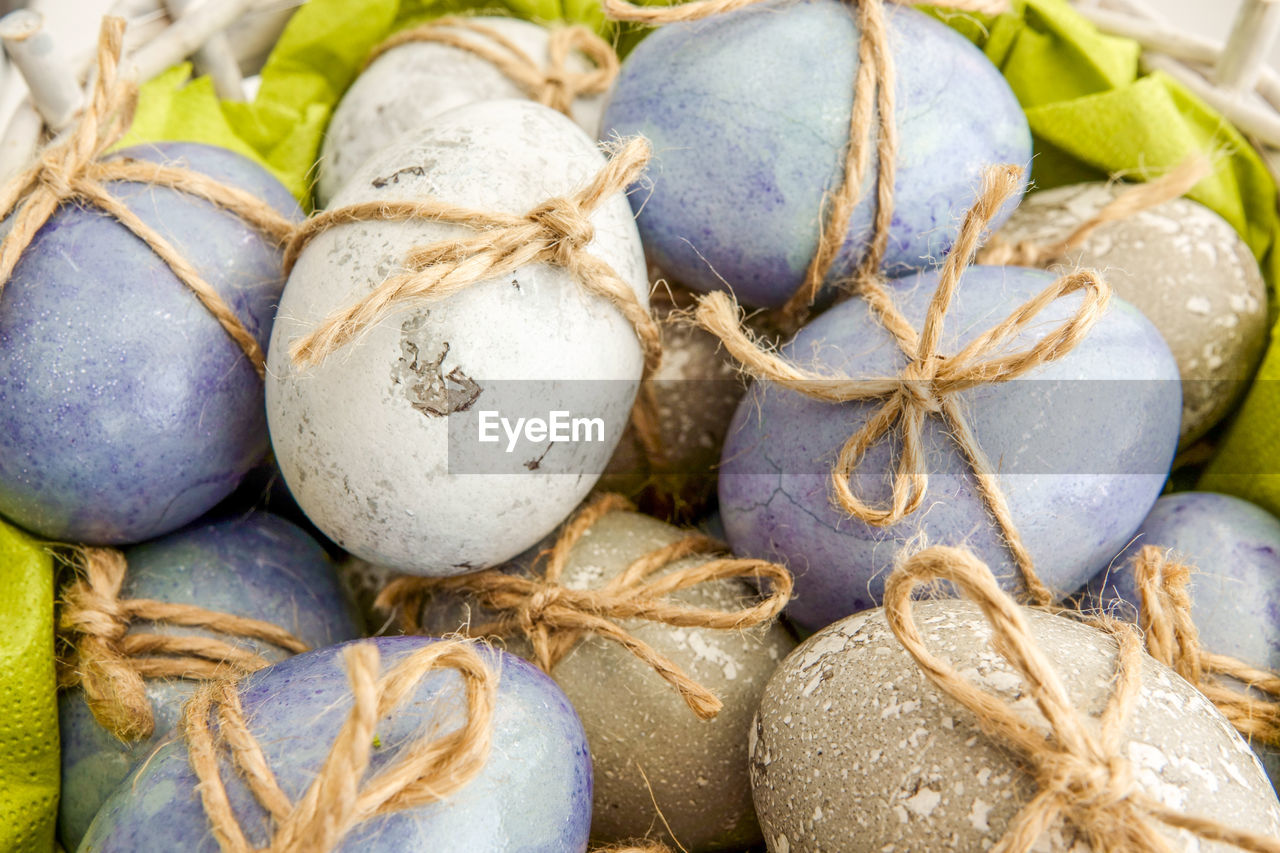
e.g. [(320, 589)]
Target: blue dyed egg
[(533, 795), (749, 113), (1082, 446), (126, 410), (257, 566)]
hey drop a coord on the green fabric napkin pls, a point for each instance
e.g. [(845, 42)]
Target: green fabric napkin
[(28, 705)]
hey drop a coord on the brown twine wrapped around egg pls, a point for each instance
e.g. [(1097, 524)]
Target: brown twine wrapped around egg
[(1133, 200), (1080, 771), (555, 86), (340, 798), (1164, 613), (556, 232), (102, 657), (930, 383), (872, 117), (555, 618), (70, 170)]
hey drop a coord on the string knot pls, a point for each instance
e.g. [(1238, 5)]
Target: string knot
[(1097, 785), (567, 230), (554, 617), (918, 385), (556, 91)]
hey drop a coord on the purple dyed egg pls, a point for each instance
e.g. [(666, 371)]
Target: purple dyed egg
[(533, 795), (1082, 447), (126, 410), (749, 137), (257, 566)]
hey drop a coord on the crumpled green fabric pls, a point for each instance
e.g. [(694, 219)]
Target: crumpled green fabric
[(317, 57), (1093, 114), (29, 770)]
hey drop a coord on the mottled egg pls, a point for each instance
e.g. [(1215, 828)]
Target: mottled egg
[(651, 753), (384, 443), (855, 750), (533, 794), (1233, 548), (747, 150), (1079, 456), (405, 88), (1183, 266), (257, 566), (126, 410)]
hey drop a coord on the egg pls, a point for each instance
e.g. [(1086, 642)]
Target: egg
[(257, 566), (405, 88), (1233, 548), (533, 792), (747, 150), (126, 410), (1183, 266), (383, 444), (854, 749), (1079, 456), (652, 755)]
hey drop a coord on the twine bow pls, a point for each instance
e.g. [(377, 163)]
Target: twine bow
[(1172, 638), (555, 617), (1130, 202), (110, 663), (928, 385), (554, 232), (556, 86), (340, 798), (70, 170), (1079, 771), (871, 119)]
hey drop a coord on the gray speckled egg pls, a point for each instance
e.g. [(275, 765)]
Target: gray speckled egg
[(408, 86), (1184, 267), (853, 749), (373, 442), (636, 723)]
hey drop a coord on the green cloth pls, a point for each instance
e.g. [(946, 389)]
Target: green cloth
[(1093, 115), (317, 57), (28, 703)]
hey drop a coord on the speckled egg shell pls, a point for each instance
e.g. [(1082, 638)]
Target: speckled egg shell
[(257, 566), (360, 439), (695, 391), (635, 722), (854, 750), (408, 86), (1185, 268), (1080, 459), (126, 410), (746, 150), (534, 794), (1234, 548)]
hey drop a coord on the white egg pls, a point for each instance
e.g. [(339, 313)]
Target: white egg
[(409, 85), (378, 442)]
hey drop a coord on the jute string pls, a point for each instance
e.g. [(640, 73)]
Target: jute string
[(930, 383), (1171, 638), (340, 797), (554, 617), (71, 171), (110, 664), (871, 122), (555, 86), (1132, 201), (556, 232), (1080, 771)]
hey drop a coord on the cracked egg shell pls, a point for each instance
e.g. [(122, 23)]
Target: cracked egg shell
[(408, 86), (364, 439), (1081, 447), (694, 770), (855, 750)]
